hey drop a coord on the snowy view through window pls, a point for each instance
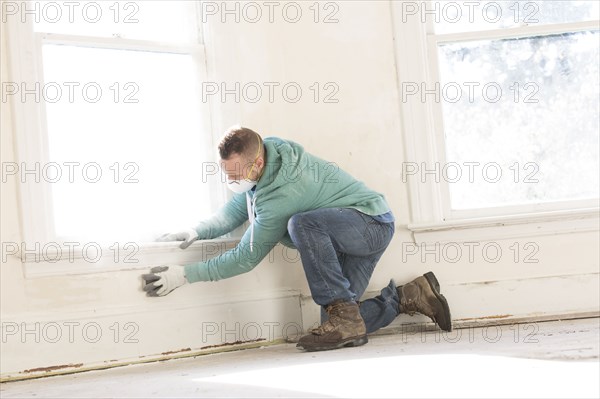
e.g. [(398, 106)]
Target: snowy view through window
[(529, 104)]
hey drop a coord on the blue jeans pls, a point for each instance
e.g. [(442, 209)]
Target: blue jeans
[(339, 249)]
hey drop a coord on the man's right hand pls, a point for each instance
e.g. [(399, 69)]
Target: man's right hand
[(188, 236)]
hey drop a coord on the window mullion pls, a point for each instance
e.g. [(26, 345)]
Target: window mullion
[(437, 133), (527, 209), (44, 155), (521, 31), (120, 44), (29, 123), (416, 117)]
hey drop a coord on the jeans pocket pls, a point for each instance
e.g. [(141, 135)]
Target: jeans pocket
[(379, 235)]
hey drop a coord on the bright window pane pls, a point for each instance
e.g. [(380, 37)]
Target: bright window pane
[(147, 119), (465, 16), (545, 118), (164, 21)]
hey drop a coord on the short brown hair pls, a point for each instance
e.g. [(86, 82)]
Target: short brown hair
[(240, 140)]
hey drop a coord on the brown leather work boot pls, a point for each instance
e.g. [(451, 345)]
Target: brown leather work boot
[(423, 295), (345, 327)]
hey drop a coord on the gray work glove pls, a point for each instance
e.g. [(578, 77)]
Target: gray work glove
[(188, 236), (163, 279)]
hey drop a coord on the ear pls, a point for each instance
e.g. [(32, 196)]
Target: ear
[(260, 162)]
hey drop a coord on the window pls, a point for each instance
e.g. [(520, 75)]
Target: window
[(112, 131), (506, 97)]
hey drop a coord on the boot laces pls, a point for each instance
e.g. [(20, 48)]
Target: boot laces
[(410, 306), (332, 323)]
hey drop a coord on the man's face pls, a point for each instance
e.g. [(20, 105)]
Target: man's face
[(238, 168)]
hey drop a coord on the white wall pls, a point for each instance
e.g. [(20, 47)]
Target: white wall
[(362, 133)]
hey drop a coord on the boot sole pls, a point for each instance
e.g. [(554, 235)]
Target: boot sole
[(446, 323), (344, 344), (433, 281)]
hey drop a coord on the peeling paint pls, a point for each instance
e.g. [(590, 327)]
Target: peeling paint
[(180, 350), (499, 316), (233, 343), (52, 368)]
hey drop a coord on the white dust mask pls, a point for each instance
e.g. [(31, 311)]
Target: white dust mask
[(240, 186)]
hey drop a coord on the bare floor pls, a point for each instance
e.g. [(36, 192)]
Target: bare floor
[(543, 359)]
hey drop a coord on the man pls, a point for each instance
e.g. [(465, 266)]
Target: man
[(339, 226)]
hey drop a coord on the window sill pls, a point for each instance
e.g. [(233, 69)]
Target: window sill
[(65, 261), (506, 227)]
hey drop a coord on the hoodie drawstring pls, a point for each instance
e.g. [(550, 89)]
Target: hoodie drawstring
[(250, 204)]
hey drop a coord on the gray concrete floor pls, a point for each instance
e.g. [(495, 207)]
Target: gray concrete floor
[(543, 359)]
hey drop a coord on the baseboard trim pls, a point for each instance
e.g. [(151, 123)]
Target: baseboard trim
[(73, 369), (390, 330), (486, 322)]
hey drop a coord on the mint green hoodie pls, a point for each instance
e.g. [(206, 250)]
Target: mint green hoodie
[(294, 181)]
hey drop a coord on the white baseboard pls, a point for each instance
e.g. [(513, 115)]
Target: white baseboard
[(485, 302), (130, 335), (48, 344)]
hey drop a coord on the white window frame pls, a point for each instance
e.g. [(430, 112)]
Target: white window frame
[(432, 220), (40, 256)]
